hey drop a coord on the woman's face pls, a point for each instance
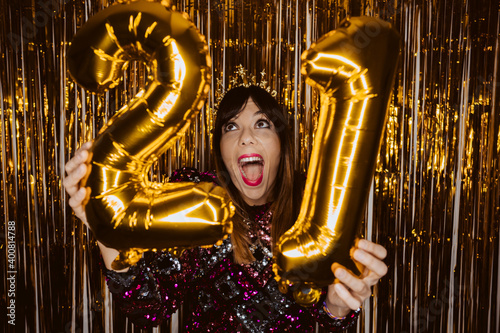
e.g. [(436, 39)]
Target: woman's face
[(250, 149)]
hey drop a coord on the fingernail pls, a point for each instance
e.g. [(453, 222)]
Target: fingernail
[(340, 273)]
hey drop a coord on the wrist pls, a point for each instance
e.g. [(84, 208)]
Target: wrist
[(335, 312), (109, 255)]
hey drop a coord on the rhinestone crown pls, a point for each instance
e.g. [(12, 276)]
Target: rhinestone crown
[(242, 78)]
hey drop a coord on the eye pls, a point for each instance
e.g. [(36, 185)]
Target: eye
[(263, 123), (229, 127)]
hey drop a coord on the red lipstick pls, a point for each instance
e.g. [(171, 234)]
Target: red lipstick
[(251, 169)]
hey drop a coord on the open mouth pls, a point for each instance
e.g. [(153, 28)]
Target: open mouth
[(251, 168)]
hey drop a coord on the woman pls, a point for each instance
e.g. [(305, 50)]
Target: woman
[(231, 286)]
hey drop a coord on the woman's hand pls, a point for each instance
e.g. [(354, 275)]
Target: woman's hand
[(77, 169), (348, 291)]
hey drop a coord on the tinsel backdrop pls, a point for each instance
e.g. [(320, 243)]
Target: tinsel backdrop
[(435, 198)]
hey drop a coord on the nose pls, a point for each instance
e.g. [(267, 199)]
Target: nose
[(246, 137)]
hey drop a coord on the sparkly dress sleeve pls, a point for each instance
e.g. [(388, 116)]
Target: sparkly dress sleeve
[(151, 290)]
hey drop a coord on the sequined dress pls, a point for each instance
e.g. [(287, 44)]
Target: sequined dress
[(222, 296)]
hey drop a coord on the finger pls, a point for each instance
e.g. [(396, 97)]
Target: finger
[(86, 145), (371, 279), (359, 265), (77, 199), (375, 249), (372, 263), (350, 281), (344, 294), (78, 202), (72, 181), (79, 158), (86, 199)]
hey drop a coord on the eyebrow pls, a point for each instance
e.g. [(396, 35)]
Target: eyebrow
[(261, 113), (258, 112)]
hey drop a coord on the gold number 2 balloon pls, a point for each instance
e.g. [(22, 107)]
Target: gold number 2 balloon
[(125, 210), (354, 69)]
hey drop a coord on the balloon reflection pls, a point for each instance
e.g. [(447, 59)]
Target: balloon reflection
[(355, 92)]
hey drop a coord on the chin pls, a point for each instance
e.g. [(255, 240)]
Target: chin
[(255, 197)]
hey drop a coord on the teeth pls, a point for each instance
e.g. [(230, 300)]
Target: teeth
[(251, 159)]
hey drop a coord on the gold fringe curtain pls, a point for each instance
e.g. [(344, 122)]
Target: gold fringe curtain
[(435, 199)]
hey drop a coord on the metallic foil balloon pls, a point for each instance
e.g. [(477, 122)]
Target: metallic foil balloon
[(354, 68), (126, 211)]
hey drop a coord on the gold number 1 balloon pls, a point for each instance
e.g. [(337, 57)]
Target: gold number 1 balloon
[(354, 69), (125, 210)]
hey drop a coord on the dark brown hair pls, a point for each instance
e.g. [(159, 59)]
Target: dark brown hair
[(283, 217)]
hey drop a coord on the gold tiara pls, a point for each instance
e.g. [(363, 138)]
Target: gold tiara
[(241, 78)]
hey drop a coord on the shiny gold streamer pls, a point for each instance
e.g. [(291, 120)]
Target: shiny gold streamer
[(434, 203)]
